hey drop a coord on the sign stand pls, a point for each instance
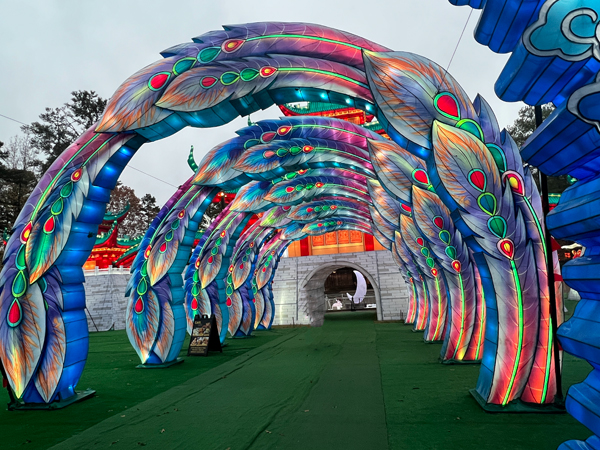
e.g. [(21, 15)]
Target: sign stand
[(205, 336)]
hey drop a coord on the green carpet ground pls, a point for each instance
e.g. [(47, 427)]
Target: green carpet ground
[(352, 384)]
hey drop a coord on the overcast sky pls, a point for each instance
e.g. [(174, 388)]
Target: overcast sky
[(52, 47)]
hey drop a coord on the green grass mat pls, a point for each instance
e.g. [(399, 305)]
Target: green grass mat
[(111, 371), (352, 384)]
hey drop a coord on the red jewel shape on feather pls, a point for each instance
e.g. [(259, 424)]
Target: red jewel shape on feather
[(25, 233), (447, 104), (507, 247), (267, 71), (49, 225), (159, 80), (207, 82), (439, 222), (231, 45), (477, 178), (281, 131), (420, 241), (456, 265), (421, 176), (195, 304), (76, 176), (139, 305), (14, 313)]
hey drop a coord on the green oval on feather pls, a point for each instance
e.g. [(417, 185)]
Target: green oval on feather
[(281, 152), (229, 78), (19, 285), (472, 127), (169, 236), (195, 290), (218, 242), (430, 262), (249, 74), (20, 259), (66, 189), (144, 269), (229, 279), (196, 276), (229, 290), (214, 251), (142, 286), (498, 155), (497, 225), (295, 150), (425, 252), (175, 224), (183, 65), (57, 206), (451, 252), (206, 55), (445, 236), (487, 203)]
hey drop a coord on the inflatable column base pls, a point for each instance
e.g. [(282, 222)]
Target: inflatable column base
[(518, 406), (164, 365), (58, 404)]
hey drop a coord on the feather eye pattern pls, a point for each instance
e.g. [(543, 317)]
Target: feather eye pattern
[(435, 224), (244, 253), (327, 207), (215, 247), (411, 91), (433, 279), (269, 160), (23, 333), (308, 187), (244, 61), (208, 85), (470, 177), (321, 227), (256, 148), (418, 282), (51, 228), (167, 238)]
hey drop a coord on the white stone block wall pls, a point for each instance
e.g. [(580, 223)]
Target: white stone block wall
[(105, 300), (294, 303), (292, 273)]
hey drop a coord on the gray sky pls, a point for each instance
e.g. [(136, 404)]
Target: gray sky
[(52, 47)]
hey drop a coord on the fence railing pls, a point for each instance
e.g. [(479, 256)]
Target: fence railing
[(108, 271)]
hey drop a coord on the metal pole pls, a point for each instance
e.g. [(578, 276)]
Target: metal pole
[(550, 266)]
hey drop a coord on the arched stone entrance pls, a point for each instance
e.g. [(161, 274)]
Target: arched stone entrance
[(312, 289), (299, 286)]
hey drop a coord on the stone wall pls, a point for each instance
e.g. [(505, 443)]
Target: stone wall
[(299, 284), (298, 289), (105, 300)]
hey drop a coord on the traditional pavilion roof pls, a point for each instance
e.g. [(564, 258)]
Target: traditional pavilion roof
[(119, 216)]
